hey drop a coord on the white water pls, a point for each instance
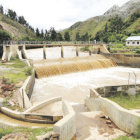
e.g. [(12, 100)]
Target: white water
[(75, 87)]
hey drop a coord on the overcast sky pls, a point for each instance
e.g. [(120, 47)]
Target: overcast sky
[(59, 13)]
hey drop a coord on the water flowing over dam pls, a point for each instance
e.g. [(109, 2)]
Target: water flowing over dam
[(59, 67)]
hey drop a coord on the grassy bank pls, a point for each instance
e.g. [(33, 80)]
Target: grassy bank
[(15, 71), (126, 138), (128, 102), (29, 132), (121, 48)]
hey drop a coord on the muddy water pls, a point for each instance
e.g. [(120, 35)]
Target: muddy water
[(75, 87), (72, 66), (17, 123)]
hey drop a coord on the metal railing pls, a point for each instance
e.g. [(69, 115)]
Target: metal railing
[(12, 42)]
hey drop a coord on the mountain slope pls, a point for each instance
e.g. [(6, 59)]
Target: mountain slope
[(96, 24), (15, 29)]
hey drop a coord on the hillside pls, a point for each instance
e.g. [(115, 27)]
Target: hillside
[(96, 24), (16, 30)]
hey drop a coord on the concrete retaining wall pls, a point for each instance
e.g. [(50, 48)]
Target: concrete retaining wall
[(33, 117), (125, 59), (66, 127), (42, 104), (25, 92), (13, 114), (123, 118), (114, 90)]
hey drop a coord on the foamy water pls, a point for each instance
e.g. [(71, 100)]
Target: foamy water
[(75, 87)]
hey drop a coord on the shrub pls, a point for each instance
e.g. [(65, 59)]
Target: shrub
[(138, 130), (28, 71), (138, 51), (14, 57)]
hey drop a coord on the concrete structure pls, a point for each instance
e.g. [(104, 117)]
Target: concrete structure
[(123, 118), (108, 91), (125, 59), (29, 116), (20, 49), (66, 127), (133, 41), (25, 92)]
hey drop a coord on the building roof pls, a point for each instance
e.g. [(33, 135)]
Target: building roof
[(133, 38)]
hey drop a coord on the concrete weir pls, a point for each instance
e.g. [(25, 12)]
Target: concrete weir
[(60, 95)]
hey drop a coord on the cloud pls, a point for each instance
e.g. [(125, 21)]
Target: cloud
[(59, 13)]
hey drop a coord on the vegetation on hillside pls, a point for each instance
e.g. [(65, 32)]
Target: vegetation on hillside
[(117, 30), (17, 28)]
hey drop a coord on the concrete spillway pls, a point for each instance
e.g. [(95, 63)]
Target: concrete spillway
[(63, 66)]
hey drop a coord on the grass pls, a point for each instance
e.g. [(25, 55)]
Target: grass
[(120, 48), (126, 138), (17, 71), (128, 102), (29, 132)]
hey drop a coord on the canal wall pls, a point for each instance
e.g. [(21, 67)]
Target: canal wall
[(123, 118), (66, 127), (124, 59)]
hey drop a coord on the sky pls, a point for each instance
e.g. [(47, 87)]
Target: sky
[(59, 14)]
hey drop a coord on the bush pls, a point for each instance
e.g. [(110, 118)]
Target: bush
[(138, 130), (28, 71), (4, 36), (14, 58), (138, 51)]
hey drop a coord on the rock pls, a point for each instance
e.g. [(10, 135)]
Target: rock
[(108, 122), (1, 100), (11, 103), (103, 117), (15, 136), (110, 126), (18, 85), (107, 117)]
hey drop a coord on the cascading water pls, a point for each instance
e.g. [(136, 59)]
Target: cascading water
[(63, 66)]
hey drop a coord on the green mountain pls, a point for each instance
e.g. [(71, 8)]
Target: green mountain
[(16, 30), (97, 24)]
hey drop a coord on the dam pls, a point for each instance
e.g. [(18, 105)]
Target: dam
[(64, 74)]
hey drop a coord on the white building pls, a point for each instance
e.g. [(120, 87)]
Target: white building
[(133, 41)]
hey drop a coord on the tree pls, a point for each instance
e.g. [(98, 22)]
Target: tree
[(78, 38), (53, 34), (59, 37), (37, 32), (12, 14), (67, 36), (116, 24), (22, 20), (1, 9), (106, 28), (85, 37), (42, 33)]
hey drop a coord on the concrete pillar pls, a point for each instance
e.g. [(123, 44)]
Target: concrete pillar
[(44, 52), (4, 55), (90, 50), (77, 51), (62, 52)]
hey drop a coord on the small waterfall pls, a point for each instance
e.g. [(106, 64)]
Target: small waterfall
[(57, 68)]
